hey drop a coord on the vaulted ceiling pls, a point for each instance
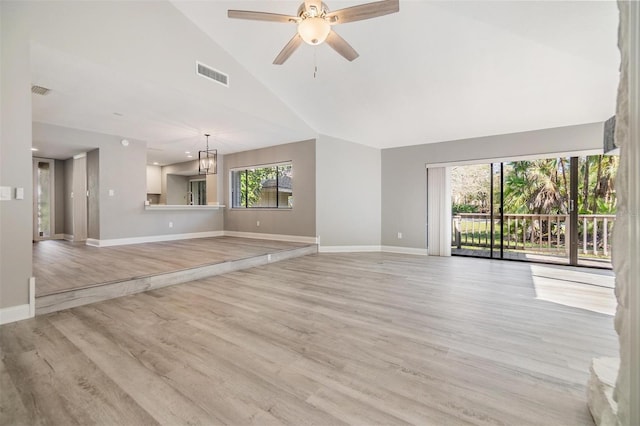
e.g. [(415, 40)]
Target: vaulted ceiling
[(435, 71)]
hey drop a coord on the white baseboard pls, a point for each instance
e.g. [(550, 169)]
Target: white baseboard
[(32, 297), (348, 249), (21, 312), (67, 237), (15, 313), (405, 250), (384, 249), (151, 239), (273, 237)]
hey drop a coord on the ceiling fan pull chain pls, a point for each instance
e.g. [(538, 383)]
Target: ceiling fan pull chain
[(315, 63)]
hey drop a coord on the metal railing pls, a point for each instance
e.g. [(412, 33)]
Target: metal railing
[(538, 233)]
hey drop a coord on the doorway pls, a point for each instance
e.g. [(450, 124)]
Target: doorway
[(553, 210), (197, 192), (43, 199)]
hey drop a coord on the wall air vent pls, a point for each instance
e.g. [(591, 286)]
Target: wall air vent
[(212, 74), (39, 90)]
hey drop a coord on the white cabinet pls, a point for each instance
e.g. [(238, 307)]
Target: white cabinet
[(154, 185)]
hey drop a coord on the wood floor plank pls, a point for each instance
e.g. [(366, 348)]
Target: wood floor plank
[(58, 384), (366, 338), (12, 410)]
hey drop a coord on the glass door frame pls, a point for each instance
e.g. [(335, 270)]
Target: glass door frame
[(571, 236), (566, 223), (52, 207)]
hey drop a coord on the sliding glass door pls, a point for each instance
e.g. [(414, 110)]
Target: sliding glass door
[(596, 206), (537, 207), (471, 189), (554, 210)]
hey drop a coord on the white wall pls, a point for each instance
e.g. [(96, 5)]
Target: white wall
[(154, 179), (404, 183), (348, 183)]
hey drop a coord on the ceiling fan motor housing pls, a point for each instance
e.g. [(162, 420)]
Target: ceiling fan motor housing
[(304, 13)]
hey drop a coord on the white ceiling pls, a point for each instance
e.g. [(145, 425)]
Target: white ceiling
[(435, 71)]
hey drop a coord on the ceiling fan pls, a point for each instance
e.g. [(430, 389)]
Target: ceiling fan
[(314, 20)]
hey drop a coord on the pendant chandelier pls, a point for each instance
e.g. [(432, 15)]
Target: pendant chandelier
[(208, 160)]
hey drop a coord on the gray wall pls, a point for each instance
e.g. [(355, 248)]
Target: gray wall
[(23, 22), (68, 201), (177, 186), (93, 187), (123, 170), (348, 180), (80, 199), (171, 169), (404, 190), (60, 173), (214, 185), (298, 221), (15, 157)]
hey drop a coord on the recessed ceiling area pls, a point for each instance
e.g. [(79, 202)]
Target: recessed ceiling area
[(434, 71)]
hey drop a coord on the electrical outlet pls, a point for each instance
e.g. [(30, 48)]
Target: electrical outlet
[(258, 223), (399, 235), (170, 224)]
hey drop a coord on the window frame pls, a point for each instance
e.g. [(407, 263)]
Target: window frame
[(246, 169)]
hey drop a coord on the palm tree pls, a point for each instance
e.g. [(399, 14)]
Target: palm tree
[(538, 186)]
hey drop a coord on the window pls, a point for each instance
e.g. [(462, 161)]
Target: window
[(263, 187)]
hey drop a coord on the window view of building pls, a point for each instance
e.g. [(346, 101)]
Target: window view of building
[(263, 187)]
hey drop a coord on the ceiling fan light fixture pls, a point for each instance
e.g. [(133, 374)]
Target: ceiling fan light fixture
[(314, 30)]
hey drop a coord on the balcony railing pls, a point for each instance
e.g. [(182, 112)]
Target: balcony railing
[(534, 233)]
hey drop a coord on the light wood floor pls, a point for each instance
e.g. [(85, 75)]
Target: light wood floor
[(61, 265), (324, 339)]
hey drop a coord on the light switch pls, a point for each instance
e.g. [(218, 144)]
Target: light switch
[(19, 193), (111, 193), (5, 193)]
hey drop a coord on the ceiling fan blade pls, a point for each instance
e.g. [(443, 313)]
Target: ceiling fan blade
[(261, 16), (363, 11), (291, 47), (341, 46)]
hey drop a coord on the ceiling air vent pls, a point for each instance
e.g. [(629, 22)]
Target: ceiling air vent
[(39, 90), (215, 75)]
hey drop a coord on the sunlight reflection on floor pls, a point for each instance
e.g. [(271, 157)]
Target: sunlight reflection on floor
[(579, 288)]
